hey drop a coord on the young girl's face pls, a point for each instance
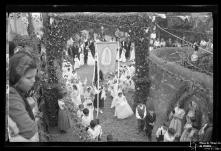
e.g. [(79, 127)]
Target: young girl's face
[(27, 81)]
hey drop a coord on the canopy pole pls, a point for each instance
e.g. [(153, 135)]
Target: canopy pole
[(97, 79), (118, 65)]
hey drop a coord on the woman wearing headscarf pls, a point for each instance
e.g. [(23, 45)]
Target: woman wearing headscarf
[(22, 72)]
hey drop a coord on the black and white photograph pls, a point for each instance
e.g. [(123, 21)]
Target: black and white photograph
[(109, 76)]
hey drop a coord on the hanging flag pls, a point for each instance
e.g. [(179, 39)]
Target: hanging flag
[(106, 54)]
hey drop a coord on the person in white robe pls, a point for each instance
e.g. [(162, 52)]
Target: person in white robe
[(88, 94), (114, 89), (98, 129), (169, 136), (76, 63), (81, 59), (94, 130), (88, 103), (157, 43), (122, 57), (90, 60), (132, 54), (75, 96), (132, 85), (80, 111), (86, 119), (122, 108)]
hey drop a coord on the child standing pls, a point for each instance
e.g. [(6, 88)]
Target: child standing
[(86, 118), (98, 129), (150, 119), (80, 111), (161, 132), (141, 115)]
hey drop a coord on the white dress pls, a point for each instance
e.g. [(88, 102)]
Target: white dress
[(194, 56), (75, 96), (89, 107), (76, 63), (132, 55), (90, 60), (114, 90), (122, 57), (122, 108), (81, 59), (168, 138)]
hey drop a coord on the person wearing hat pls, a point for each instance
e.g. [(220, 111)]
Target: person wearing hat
[(122, 108)]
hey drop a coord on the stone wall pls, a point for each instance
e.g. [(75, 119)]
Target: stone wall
[(168, 77)]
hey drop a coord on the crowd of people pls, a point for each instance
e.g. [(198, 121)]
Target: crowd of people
[(186, 125), (84, 53), (159, 43), (23, 109), (91, 98)]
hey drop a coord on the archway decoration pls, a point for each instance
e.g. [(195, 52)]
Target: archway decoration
[(58, 28)]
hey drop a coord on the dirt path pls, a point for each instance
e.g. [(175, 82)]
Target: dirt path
[(126, 129)]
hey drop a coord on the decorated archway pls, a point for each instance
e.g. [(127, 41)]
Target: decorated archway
[(58, 28)]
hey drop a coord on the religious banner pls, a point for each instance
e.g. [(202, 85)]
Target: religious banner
[(106, 52)]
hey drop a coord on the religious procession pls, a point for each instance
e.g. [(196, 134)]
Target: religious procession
[(89, 77)]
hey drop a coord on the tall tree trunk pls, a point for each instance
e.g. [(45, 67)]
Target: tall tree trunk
[(141, 79), (49, 50)]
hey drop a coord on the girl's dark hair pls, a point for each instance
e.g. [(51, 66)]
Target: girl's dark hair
[(92, 123), (19, 64), (86, 111)]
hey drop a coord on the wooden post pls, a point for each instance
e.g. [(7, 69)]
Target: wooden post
[(97, 78), (118, 64)]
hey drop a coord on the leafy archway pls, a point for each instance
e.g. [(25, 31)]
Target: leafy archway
[(58, 28)]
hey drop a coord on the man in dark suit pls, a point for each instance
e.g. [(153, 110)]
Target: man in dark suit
[(86, 51), (150, 119), (122, 46), (70, 52), (75, 51), (92, 48), (127, 47)]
